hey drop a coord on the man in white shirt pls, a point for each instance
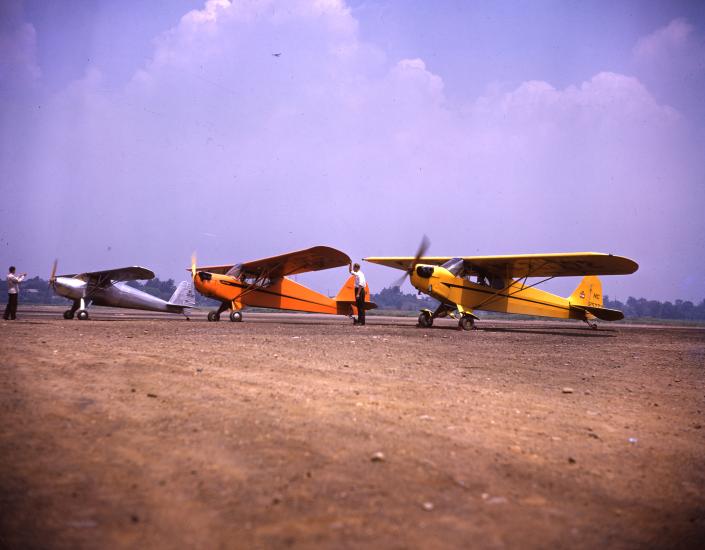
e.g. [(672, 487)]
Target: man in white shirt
[(13, 288), (360, 285)]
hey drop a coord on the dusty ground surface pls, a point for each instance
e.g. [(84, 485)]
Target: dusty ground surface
[(136, 431)]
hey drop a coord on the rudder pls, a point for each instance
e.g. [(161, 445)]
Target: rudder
[(346, 297), (588, 293), (183, 295)]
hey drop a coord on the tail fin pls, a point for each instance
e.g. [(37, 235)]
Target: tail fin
[(183, 295), (346, 297), (588, 298), (588, 293)]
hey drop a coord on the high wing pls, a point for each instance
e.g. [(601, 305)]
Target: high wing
[(100, 278), (292, 263), (526, 265)]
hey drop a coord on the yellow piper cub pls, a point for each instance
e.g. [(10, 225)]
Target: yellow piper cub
[(499, 283)]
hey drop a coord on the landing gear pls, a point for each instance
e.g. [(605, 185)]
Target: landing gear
[(425, 319), (466, 323), (215, 315), (77, 304), (592, 325), (82, 315), (236, 316)]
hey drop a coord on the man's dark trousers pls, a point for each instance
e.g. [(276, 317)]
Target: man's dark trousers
[(360, 303), (11, 309)]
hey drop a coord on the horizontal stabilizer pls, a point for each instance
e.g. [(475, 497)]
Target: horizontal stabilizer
[(601, 312)]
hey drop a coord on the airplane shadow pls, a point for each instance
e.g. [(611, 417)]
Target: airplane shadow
[(555, 331)]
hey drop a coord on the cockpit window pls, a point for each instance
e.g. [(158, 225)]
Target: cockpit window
[(456, 266), (235, 271)]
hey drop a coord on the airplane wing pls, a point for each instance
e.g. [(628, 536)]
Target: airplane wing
[(292, 263), (133, 273), (527, 265)]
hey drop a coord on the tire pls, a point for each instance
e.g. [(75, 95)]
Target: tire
[(425, 320), (467, 323), (82, 315), (68, 314), (236, 316), (213, 316)]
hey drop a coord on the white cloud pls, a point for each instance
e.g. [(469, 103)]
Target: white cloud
[(18, 49), (666, 40)]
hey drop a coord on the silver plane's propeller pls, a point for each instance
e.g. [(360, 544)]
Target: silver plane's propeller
[(52, 277), (423, 247), (193, 265)]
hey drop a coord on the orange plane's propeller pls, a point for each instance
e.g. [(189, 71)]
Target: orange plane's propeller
[(193, 265), (423, 247)]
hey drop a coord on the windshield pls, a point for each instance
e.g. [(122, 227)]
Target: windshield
[(456, 266)]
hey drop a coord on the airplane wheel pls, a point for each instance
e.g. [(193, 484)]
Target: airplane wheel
[(213, 316), (467, 323), (82, 315), (235, 316), (425, 319), (68, 314)]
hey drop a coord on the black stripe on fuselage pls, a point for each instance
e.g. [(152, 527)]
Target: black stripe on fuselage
[(264, 290), (499, 294)]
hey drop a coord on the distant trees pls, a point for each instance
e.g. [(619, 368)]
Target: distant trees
[(393, 298), (643, 308), (38, 291)]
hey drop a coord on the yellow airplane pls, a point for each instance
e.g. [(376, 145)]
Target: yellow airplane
[(501, 284)]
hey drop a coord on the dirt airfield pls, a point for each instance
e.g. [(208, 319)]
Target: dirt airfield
[(132, 430)]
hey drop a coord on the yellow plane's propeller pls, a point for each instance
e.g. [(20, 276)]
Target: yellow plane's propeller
[(52, 277), (423, 247), (193, 265)]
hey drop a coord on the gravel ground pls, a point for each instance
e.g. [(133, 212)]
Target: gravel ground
[(137, 430)]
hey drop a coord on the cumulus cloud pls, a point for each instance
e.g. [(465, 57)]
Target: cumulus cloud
[(18, 63), (671, 61), (666, 40), (333, 142)]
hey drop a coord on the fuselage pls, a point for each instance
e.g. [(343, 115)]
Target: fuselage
[(113, 295), (506, 296)]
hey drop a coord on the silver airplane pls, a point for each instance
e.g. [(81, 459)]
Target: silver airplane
[(110, 288)]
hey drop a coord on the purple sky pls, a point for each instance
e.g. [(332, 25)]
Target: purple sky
[(137, 132)]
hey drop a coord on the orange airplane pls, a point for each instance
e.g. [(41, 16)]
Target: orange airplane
[(265, 283)]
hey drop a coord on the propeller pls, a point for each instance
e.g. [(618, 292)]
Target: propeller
[(193, 265), (52, 277), (423, 247)]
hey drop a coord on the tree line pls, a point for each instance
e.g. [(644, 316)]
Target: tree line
[(38, 291)]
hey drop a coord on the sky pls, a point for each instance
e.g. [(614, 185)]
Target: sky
[(133, 133)]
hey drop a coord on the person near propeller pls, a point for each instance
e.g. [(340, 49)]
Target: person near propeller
[(13, 289), (360, 284)]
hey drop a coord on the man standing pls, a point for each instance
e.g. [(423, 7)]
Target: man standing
[(13, 288), (360, 284)]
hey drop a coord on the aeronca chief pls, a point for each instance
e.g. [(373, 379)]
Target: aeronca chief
[(463, 284), (265, 283), (110, 288)]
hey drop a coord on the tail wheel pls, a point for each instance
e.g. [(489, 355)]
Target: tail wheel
[(466, 322), (82, 315), (213, 316), (235, 316), (68, 314), (425, 319)]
